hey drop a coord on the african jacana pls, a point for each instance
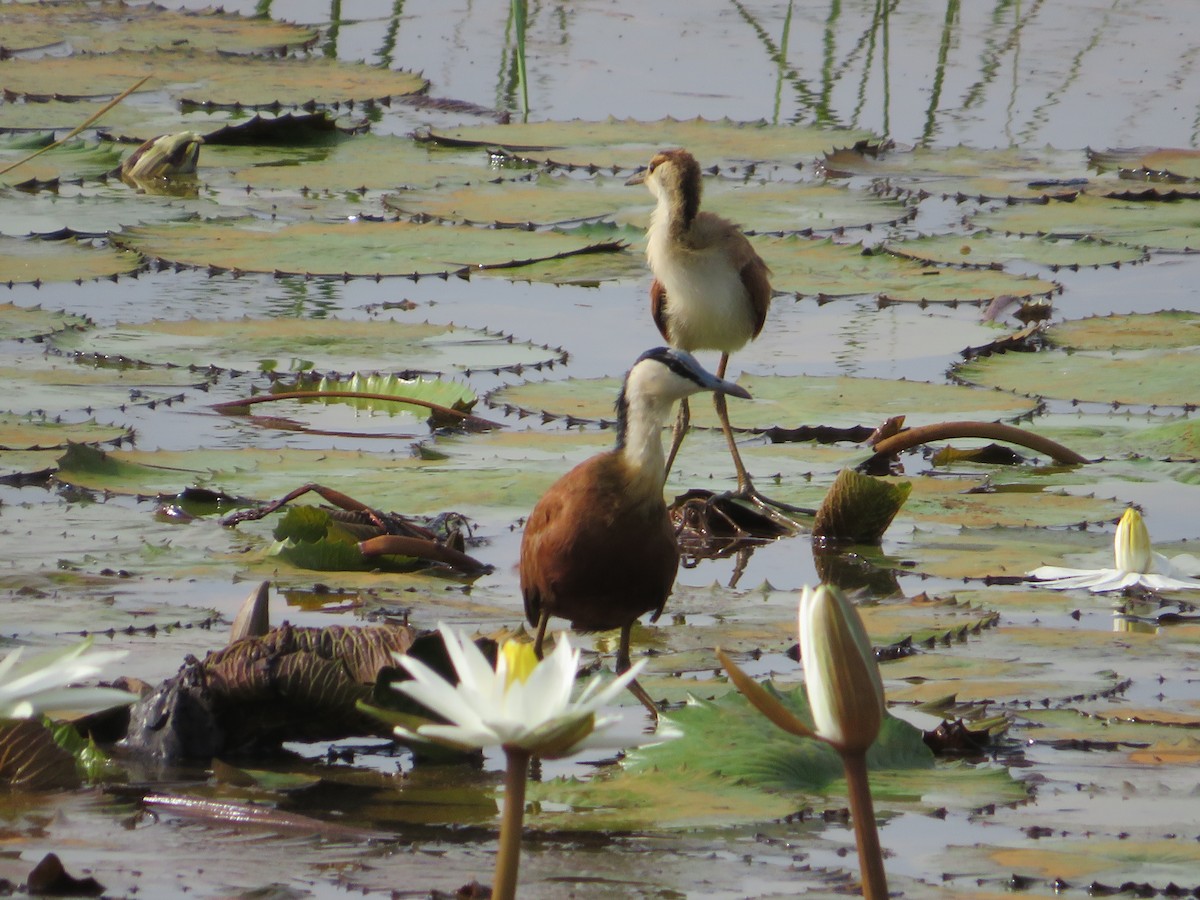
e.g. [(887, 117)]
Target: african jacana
[(711, 289), (599, 548)]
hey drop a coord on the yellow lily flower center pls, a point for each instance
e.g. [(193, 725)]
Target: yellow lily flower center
[(519, 661)]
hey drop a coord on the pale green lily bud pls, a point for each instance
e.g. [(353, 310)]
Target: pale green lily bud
[(1132, 544), (841, 676)]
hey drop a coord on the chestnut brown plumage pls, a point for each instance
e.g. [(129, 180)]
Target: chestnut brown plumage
[(599, 548), (711, 289)]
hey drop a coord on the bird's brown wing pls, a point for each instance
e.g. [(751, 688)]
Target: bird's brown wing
[(757, 279), (658, 308)]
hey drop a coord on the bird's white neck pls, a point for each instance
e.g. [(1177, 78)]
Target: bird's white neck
[(640, 443)]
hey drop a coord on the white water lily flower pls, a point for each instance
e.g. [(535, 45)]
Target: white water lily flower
[(1135, 564), (841, 676), (39, 685), (521, 703)]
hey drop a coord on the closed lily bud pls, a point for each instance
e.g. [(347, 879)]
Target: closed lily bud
[(1132, 544), (841, 676)]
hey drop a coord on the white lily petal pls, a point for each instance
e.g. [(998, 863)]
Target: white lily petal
[(435, 693), (486, 709), (466, 737), (601, 691), (42, 683), (72, 700), (475, 673), (1158, 582)]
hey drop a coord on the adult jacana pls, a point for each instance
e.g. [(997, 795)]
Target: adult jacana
[(711, 289), (599, 548)]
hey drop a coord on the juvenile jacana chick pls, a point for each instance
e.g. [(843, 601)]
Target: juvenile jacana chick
[(599, 548), (711, 289)]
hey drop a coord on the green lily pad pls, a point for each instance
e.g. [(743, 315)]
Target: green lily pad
[(968, 173), (554, 199), (967, 504), (1161, 224), (365, 249), (1127, 859), (627, 144), (1164, 164), (1166, 330), (362, 162), (506, 470), (25, 322), (30, 260), (299, 345), (732, 765), (123, 26), (50, 384), (90, 211), (822, 268), (311, 538), (73, 160), (210, 78), (987, 249), (786, 401), (41, 433), (1105, 360)]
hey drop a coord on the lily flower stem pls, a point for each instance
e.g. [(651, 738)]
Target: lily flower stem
[(508, 858), (862, 813)]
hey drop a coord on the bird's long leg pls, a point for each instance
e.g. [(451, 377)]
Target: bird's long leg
[(623, 665), (681, 427), (745, 488), (543, 619)]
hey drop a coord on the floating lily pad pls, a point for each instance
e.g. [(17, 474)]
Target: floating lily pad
[(25, 322), (362, 162), (1166, 330), (627, 144), (72, 160), (1105, 360), (550, 200), (50, 384), (964, 504), (298, 345), (1097, 860), (41, 433), (126, 26), (365, 249), (786, 401), (210, 78), (986, 249), (1163, 225), (1169, 165), (732, 765), (823, 268), (28, 260), (967, 173), (503, 470), (93, 210)]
